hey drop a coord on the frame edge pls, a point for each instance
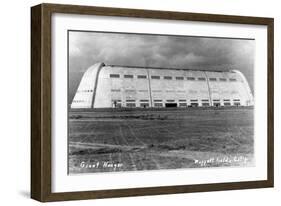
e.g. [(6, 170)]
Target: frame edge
[(270, 93), (157, 14), (41, 99), (36, 138)]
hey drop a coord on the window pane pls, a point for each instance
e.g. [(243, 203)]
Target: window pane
[(155, 77), (212, 79), (114, 75), (128, 76), (190, 78), (142, 76), (202, 79), (167, 77)]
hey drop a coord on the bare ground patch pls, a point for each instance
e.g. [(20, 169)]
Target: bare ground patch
[(161, 140)]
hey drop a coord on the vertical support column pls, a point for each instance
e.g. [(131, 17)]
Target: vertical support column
[(209, 90), (149, 86)]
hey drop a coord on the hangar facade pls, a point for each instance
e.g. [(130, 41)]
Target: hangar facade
[(112, 86)]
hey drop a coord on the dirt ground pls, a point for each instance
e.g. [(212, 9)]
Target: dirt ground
[(133, 140)]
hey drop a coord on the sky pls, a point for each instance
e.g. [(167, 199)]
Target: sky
[(146, 50)]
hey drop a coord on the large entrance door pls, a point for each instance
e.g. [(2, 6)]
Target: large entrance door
[(171, 105)]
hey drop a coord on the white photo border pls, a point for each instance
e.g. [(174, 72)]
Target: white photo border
[(62, 182)]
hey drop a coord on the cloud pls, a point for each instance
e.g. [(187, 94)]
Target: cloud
[(87, 48)]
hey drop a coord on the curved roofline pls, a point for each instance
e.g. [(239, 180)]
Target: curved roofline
[(140, 67)]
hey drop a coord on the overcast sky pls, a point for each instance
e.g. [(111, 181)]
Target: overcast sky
[(88, 48)]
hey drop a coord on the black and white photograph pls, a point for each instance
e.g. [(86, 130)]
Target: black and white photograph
[(139, 102)]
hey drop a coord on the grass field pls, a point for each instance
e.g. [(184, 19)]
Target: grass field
[(130, 140)]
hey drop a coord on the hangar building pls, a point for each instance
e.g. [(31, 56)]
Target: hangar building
[(111, 86)]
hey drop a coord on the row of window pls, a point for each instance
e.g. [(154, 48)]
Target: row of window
[(170, 100), (129, 76), (181, 104), (87, 90), (132, 90), (213, 91), (78, 101), (180, 100)]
